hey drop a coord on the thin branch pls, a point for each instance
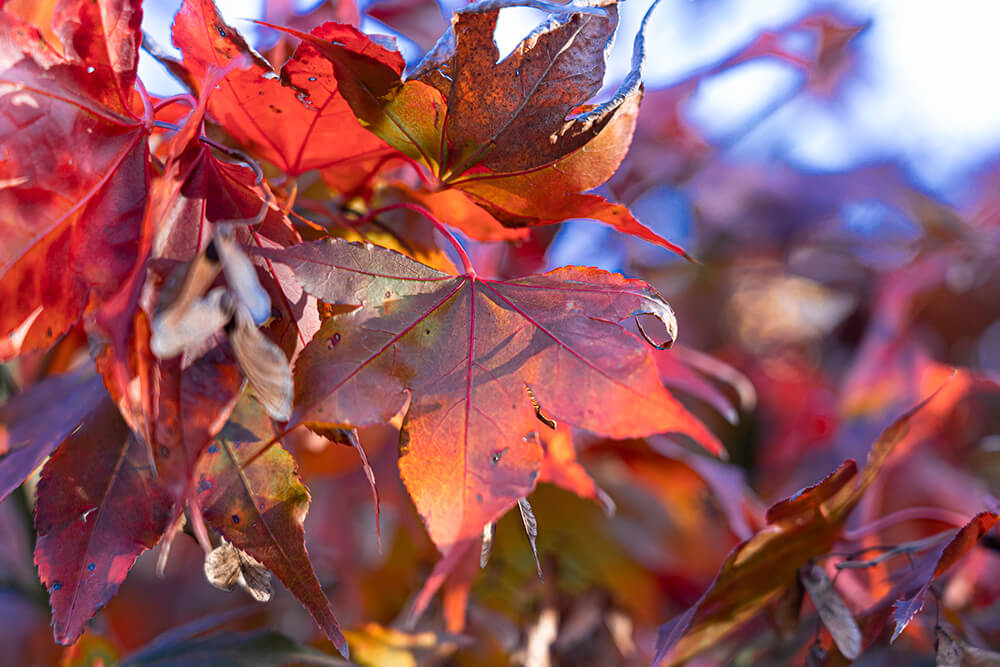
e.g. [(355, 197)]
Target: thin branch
[(909, 514), (891, 552)]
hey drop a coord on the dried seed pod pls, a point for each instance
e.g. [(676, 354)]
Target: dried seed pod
[(226, 566)]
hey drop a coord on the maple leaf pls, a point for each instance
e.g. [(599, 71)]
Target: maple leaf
[(192, 407), (510, 136), (936, 563), (465, 351), (253, 497), (36, 421), (799, 528), (74, 166), (99, 506), (272, 113)]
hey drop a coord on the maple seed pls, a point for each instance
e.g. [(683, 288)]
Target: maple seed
[(226, 566), (530, 528), (489, 531), (832, 611)]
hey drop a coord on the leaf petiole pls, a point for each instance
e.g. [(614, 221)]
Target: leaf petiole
[(441, 227)]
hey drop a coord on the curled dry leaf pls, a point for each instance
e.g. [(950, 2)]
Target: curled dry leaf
[(489, 532), (264, 365)]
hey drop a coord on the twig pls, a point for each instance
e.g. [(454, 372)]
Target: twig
[(891, 552), (909, 514)]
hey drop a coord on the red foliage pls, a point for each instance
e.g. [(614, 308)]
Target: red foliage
[(206, 296)]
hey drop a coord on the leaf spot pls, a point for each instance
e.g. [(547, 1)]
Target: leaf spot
[(222, 33), (479, 498), (204, 484), (91, 567), (497, 455), (164, 452), (332, 341), (213, 449), (56, 585), (236, 518), (90, 70), (312, 78)]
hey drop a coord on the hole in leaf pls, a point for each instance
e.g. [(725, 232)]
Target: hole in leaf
[(513, 25)]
